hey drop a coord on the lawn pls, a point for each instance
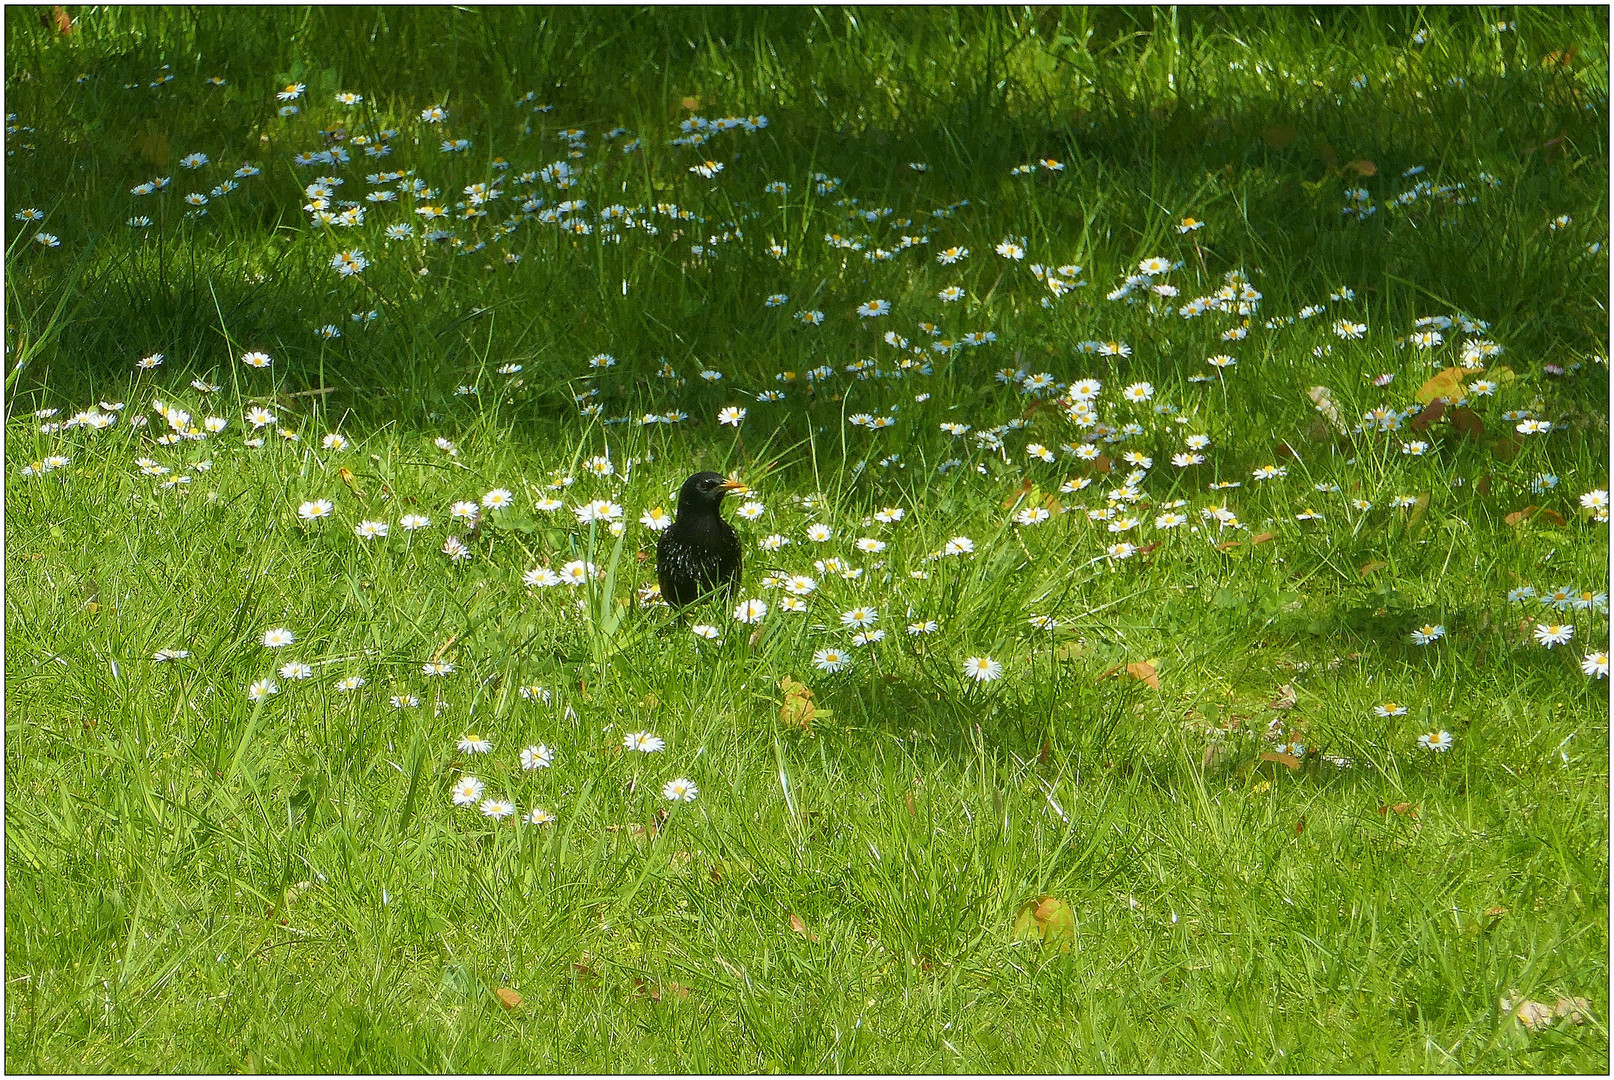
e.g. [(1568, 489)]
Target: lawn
[(1173, 633)]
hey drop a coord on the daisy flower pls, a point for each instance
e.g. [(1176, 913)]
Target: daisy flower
[(467, 791), (1555, 634), (751, 611), (983, 668), (1438, 741), (680, 790), (860, 617), (472, 743), (643, 742), (497, 809), (830, 661), (277, 638)]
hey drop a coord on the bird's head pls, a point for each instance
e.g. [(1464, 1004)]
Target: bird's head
[(705, 490)]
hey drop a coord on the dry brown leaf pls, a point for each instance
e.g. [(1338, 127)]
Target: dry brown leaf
[(1467, 422), (1530, 512), (1373, 566), (1145, 672), (1323, 398), (1046, 919), (1533, 1014), (800, 927), (1300, 826), (798, 709), (907, 799), (1576, 1008), (1285, 699), (1261, 538), (1025, 488), (1405, 809), (1431, 413), (1278, 136), (1362, 167), (1283, 759), (508, 997), (153, 146), (1229, 545)]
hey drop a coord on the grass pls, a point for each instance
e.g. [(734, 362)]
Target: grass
[(1261, 873)]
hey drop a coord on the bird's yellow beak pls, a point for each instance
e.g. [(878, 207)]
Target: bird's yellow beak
[(735, 487)]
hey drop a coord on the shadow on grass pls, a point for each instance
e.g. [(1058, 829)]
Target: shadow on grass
[(1137, 104)]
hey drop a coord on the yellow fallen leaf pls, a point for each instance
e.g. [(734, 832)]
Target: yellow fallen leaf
[(1447, 384), (1047, 920)]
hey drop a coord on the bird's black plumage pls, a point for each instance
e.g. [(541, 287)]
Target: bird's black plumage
[(699, 553)]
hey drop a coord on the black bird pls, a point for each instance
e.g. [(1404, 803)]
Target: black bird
[(699, 553)]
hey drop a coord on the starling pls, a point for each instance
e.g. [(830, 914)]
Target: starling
[(699, 553)]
